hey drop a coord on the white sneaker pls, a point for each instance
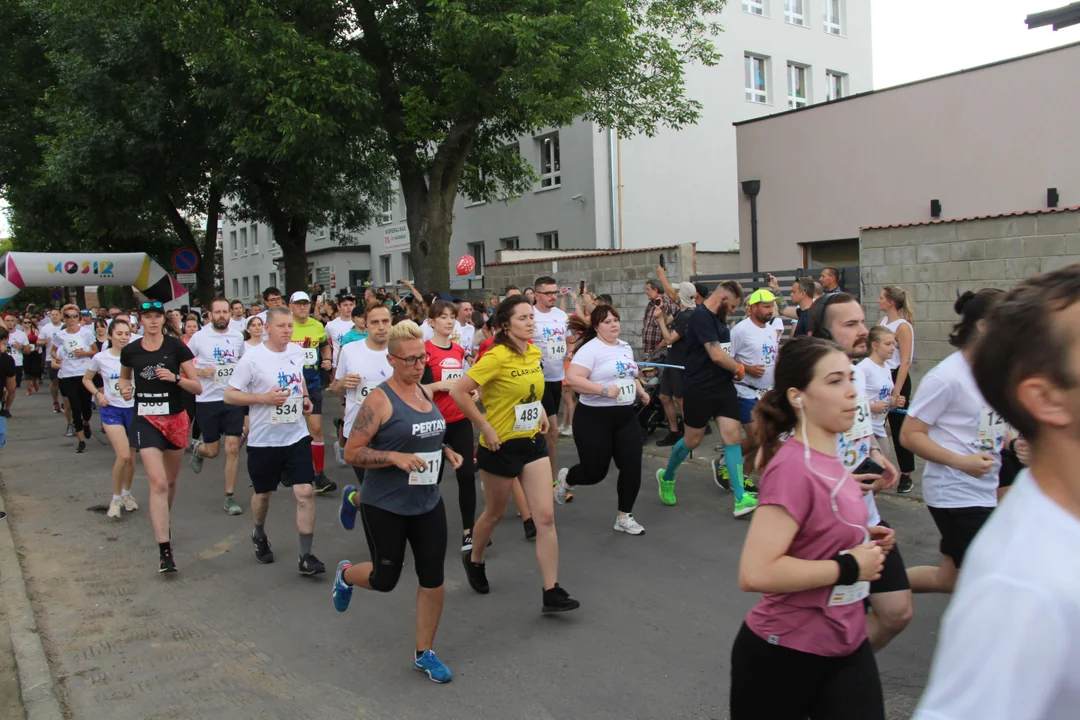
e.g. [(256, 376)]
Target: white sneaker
[(628, 525), (339, 453), (566, 431), (129, 502), (561, 488), (115, 507)]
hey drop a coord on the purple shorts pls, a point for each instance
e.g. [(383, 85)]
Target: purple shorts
[(117, 416)]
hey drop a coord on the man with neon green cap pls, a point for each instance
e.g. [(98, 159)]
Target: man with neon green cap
[(754, 344)]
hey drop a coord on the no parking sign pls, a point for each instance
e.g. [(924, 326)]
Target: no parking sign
[(185, 260)]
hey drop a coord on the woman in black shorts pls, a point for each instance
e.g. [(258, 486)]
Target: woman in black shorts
[(398, 439), (159, 366)]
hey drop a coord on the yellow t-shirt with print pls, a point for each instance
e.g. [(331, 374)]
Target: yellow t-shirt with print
[(311, 336), (509, 379)]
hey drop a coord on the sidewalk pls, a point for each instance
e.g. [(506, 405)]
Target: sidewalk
[(226, 638)]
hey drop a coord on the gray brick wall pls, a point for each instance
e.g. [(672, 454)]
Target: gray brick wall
[(937, 262), (620, 274)]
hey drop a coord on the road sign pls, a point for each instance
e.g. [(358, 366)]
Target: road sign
[(186, 278), (56, 294), (185, 260)]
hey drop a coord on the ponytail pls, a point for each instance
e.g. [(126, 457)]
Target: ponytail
[(900, 298)]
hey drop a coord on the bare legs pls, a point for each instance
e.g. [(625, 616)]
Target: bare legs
[(162, 469), (928, 579), (232, 459), (124, 467)]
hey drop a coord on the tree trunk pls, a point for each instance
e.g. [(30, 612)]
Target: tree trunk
[(205, 273), (291, 235), (127, 296), (80, 297), (430, 216)]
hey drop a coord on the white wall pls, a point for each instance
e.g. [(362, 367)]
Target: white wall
[(682, 186)]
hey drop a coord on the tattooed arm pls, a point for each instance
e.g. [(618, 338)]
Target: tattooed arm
[(721, 358), (372, 414)]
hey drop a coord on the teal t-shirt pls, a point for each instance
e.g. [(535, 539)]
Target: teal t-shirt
[(352, 336)]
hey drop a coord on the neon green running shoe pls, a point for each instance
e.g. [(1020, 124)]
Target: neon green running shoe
[(747, 505), (667, 488)]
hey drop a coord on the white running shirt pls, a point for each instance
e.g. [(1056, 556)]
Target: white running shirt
[(17, 337), (335, 330), (753, 345), (218, 350), (609, 365), (66, 344), (373, 368), (261, 370), (550, 336), (879, 385), (855, 445), (1010, 640), (108, 366), (894, 362)]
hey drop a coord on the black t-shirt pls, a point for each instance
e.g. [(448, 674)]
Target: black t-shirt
[(677, 351), (802, 326), (7, 368), (702, 374), (150, 391)]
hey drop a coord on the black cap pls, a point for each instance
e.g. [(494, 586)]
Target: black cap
[(701, 289), (358, 311)]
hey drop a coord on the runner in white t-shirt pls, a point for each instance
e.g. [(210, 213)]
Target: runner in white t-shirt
[(73, 347), (603, 371), (879, 381), (217, 349), (1010, 640), (839, 317), (464, 319), (18, 345), (960, 436), (754, 344), (362, 366), (44, 341), (237, 319), (339, 326), (270, 380), (116, 412), (549, 334)]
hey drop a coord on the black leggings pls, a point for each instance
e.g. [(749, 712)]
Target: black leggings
[(387, 533), (78, 398), (778, 683), (459, 436), (904, 457), (602, 434)]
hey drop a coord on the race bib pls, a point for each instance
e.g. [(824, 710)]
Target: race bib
[(527, 416), (556, 348), (862, 425), (363, 390), (72, 345), (158, 408), (222, 373), (848, 594), (992, 430), (452, 374), (16, 355), (311, 357), (431, 475), (760, 392), (114, 386), (726, 347), (289, 413), (627, 391)]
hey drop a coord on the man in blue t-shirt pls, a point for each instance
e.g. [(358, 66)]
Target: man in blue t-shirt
[(711, 372)]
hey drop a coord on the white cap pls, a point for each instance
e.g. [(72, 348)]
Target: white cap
[(300, 296)]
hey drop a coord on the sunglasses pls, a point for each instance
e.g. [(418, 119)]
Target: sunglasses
[(411, 361), (69, 316), (155, 305)]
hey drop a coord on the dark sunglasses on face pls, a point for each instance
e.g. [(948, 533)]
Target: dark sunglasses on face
[(69, 316)]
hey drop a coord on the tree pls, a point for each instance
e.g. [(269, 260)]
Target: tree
[(440, 86)]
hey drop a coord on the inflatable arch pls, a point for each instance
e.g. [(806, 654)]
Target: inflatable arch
[(22, 269)]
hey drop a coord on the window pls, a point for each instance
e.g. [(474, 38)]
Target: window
[(836, 84), (243, 241), (756, 88), (232, 243), (255, 285), (754, 7), (247, 288), (793, 12), (384, 267), (255, 240), (549, 240), (477, 251), (236, 288), (510, 243), (406, 266), (386, 208), (832, 22), (549, 161), (797, 92), (273, 280)]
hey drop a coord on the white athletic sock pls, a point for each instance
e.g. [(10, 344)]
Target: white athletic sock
[(116, 497), (124, 492)]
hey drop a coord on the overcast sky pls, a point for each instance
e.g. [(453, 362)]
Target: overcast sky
[(916, 39)]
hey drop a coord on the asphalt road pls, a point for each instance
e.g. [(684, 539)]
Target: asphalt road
[(228, 638)]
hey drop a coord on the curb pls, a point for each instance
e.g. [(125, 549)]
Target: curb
[(36, 684)]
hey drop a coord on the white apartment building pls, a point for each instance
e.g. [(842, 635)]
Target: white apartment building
[(598, 191)]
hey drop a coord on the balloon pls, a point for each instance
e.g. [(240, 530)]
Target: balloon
[(466, 264)]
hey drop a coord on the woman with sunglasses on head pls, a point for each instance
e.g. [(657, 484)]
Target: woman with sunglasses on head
[(160, 369), (512, 445), (115, 409), (804, 651), (73, 346)]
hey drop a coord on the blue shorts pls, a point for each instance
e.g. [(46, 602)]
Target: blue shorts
[(746, 409), (117, 416)]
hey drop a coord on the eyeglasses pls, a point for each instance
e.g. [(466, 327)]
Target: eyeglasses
[(155, 305), (411, 361), (546, 292)]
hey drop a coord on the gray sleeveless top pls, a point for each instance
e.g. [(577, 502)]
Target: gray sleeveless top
[(407, 431)]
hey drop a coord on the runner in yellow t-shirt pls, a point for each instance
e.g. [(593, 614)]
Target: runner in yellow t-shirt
[(310, 334), (512, 445)]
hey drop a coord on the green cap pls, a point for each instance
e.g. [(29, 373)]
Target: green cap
[(760, 296)]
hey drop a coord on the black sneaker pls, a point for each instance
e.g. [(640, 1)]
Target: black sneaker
[(81, 448), (167, 565), (86, 431), (906, 484), (558, 600), (324, 484), (5, 413), (476, 573), (466, 543), (263, 553), (530, 529), (311, 565), (668, 440), (749, 486)]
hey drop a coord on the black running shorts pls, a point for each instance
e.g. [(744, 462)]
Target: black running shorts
[(512, 456), (270, 466), (958, 527), (700, 408)]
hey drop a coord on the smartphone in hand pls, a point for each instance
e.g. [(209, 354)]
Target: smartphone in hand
[(662, 262), (581, 290)]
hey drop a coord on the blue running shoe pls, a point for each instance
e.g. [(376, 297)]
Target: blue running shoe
[(347, 511), (342, 592), (433, 666)]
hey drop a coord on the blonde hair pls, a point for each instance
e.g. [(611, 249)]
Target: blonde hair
[(404, 330), (70, 306), (899, 297)]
